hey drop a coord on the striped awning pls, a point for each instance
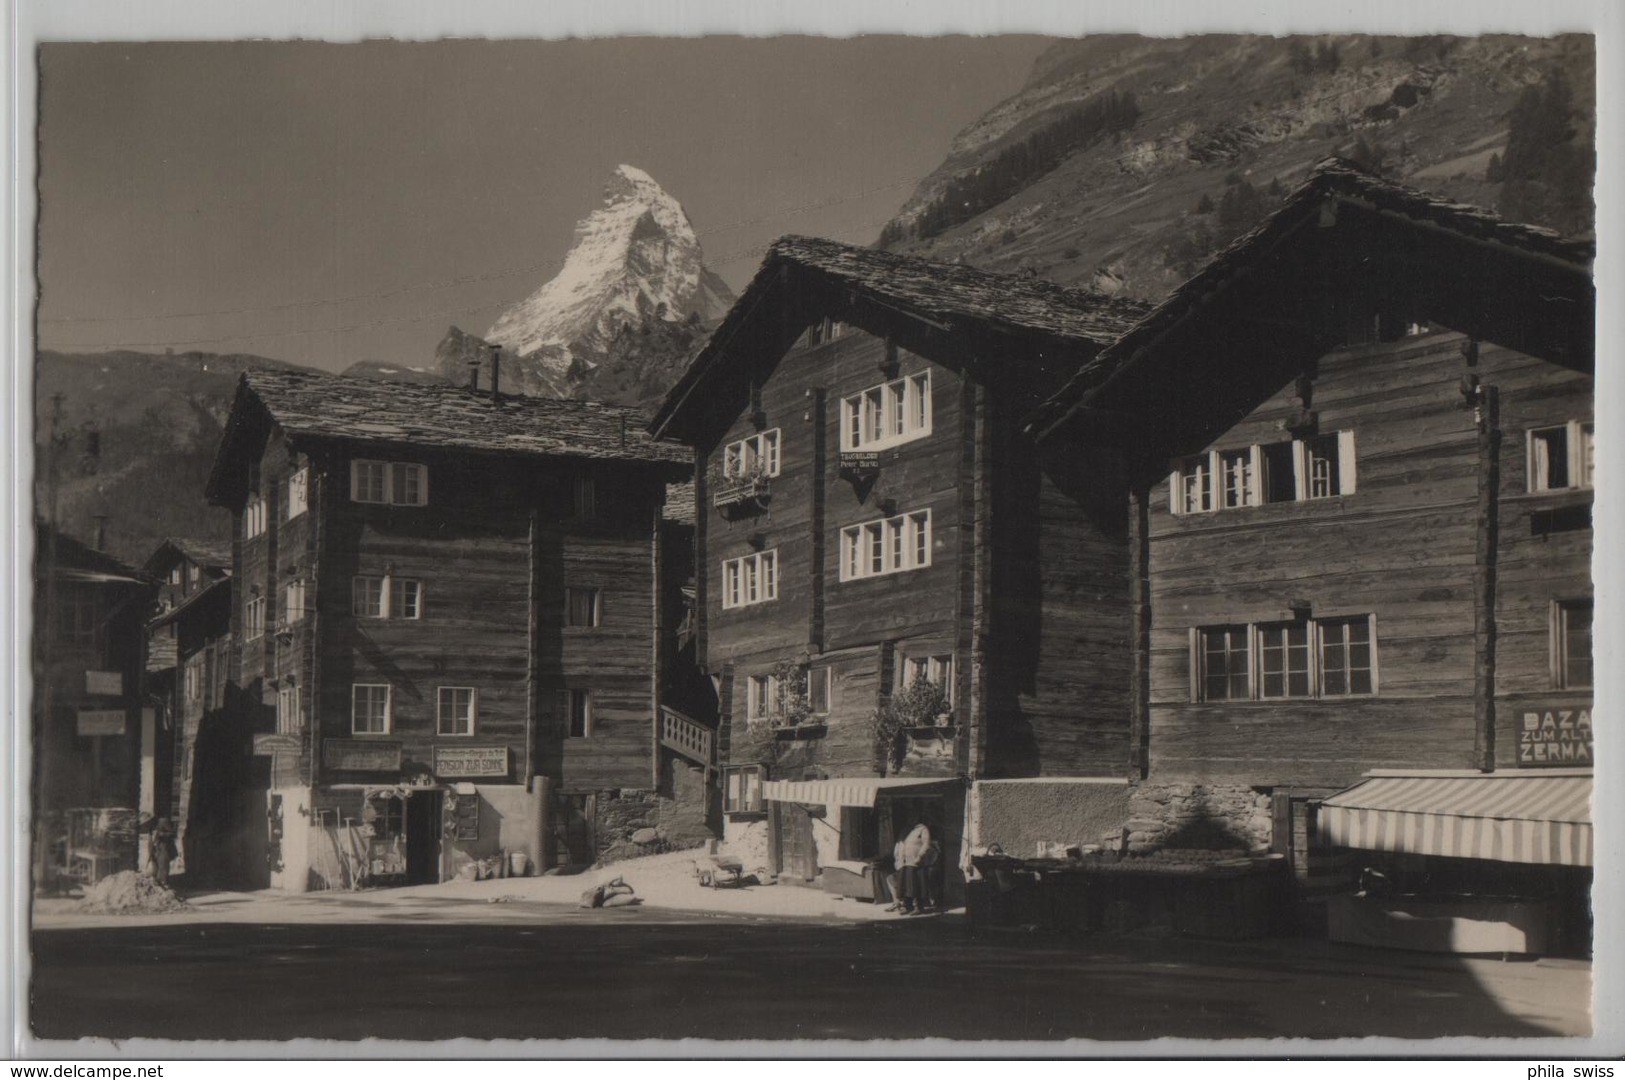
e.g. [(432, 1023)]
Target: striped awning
[(1540, 818), (854, 791)]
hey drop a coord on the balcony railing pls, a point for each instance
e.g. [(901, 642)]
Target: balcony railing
[(687, 737), (738, 491)]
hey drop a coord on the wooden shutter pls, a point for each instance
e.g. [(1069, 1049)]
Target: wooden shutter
[(1345, 462)]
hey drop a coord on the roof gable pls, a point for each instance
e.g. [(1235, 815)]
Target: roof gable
[(313, 406), (910, 295), (1519, 285)]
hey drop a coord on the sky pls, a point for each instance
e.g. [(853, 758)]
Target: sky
[(329, 203)]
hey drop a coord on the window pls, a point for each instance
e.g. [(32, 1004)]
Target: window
[(405, 598), (194, 678), (1306, 658), (742, 789), (584, 497), (887, 546), (1561, 458), (370, 708), (254, 517), (750, 579), (580, 714), (1226, 672), (818, 690), (1320, 467), (755, 456), (1571, 644), (389, 482), (581, 607), (78, 614), (293, 602), (175, 575), (888, 414), (455, 715), (387, 597), (823, 330), (298, 493), (287, 711), (937, 670), (762, 700), (254, 618)]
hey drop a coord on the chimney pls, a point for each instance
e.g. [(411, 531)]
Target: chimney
[(473, 374), (496, 372)]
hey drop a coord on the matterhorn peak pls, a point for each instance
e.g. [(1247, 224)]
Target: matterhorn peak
[(635, 258)]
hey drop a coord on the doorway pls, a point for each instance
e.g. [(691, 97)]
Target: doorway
[(798, 851), (423, 825)]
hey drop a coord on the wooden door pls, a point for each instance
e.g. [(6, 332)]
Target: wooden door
[(797, 851), (423, 826)]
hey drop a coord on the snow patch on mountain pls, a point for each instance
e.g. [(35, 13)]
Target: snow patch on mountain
[(634, 258)]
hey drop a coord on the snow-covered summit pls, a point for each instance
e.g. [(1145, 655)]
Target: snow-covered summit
[(636, 257)]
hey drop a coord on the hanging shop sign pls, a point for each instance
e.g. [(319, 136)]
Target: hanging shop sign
[(859, 464), (361, 755), (101, 722), (267, 744), (110, 683), (1555, 737), (452, 761)]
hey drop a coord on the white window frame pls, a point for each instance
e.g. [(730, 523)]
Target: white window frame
[(254, 618), (293, 602), (750, 579), (194, 677), (887, 414), (462, 724), (1235, 477), (288, 719), (753, 456), (175, 574), (891, 545), (761, 697), (357, 691), (1252, 638), (392, 596), (742, 789), (298, 492), (254, 517), (938, 669), (1579, 456), (399, 483)]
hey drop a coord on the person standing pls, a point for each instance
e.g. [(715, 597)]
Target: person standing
[(161, 849)]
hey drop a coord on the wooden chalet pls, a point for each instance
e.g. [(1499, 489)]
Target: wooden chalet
[(195, 761), (445, 621), (88, 721), (1361, 519), (894, 594)]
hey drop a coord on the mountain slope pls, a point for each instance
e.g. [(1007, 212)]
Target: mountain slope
[(1125, 161), (137, 434)]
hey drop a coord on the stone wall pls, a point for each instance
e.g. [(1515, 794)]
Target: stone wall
[(1018, 815), (1208, 816), (633, 822)]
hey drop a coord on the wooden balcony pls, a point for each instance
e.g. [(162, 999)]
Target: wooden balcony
[(741, 493), (688, 737)]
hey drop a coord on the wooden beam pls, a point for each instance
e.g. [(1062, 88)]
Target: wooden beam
[(1484, 578), (1139, 539)]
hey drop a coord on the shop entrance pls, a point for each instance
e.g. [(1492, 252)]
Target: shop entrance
[(423, 826)]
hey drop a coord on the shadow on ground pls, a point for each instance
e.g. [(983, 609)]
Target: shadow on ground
[(637, 974)]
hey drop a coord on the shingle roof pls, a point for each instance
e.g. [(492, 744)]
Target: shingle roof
[(454, 417), (939, 292), (214, 554), (679, 506), (1334, 179), (946, 290)]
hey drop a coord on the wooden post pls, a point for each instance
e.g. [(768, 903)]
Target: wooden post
[(541, 820), (820, 479), (1139, 759), (1484, 567)]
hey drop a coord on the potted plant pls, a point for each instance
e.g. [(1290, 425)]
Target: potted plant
[(920, 704)]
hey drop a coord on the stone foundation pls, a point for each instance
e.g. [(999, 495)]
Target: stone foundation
[(632, 822), (1203, 816), (1019, 815)]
